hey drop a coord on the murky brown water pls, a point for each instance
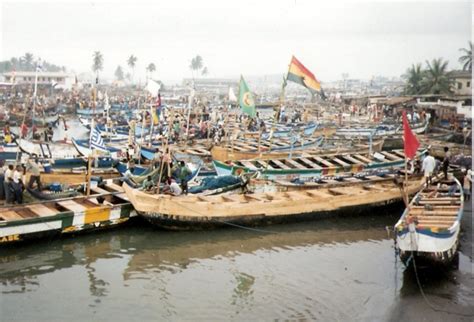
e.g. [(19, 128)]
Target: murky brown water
[(338, 269)]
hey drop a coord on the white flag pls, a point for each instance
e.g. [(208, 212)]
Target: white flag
[(153, 87), (232, 97)]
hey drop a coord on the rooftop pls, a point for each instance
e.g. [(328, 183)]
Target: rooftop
[(40, 74)]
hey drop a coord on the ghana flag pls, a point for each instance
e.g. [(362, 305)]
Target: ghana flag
[(247, 104), (301, 75)]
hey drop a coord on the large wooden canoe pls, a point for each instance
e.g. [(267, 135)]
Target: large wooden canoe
[(429, 227), (313, 165), (106, 207), (198, 212), (255, 147), (222, 153)]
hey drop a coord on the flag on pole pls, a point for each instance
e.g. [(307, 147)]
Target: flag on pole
[(246, 101), (410, 142), (153, 87), (298, 73), (232, 97), (96, 141)]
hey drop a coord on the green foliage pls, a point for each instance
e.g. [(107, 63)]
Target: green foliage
[(466, 60), (119, 73), (434, 79), (98, 61), (26, 63)]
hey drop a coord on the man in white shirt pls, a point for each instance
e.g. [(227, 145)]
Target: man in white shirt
[(17, 184), (429, 164)]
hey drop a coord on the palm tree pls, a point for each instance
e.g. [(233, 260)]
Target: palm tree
[(196, 64), (28, 61), (132, 61), (204, 71), (436, 79), (98, 63), (151, 68), (414, 77), (119, 73), (466, 59)]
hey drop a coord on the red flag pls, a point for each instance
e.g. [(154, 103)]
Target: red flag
[(411, 143)]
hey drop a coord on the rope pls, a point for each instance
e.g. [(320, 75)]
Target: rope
[(431, 305)]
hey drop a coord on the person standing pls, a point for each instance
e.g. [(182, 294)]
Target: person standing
[(18, 184), (183, 174), (7, 184), (2, 180), (428, 167), (445, 166), (33, 167)]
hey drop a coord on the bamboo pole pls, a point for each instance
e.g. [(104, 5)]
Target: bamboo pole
[(165, 149), (89, 175)]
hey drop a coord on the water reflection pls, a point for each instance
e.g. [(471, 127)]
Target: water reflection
[(302, 271)]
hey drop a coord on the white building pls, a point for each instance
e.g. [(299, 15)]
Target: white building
[(462, 82), (61, 79)]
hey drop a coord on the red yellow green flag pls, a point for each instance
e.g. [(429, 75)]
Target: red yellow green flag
[(298, 73)]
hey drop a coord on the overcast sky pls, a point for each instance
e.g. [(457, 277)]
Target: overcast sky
[(236, 37)]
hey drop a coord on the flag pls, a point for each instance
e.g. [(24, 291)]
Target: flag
[(106, 102), (298, 73), (96, 141), (246, 102), (410, 141), (153, 87), (232, 97)]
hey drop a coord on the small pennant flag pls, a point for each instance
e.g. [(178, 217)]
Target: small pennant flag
[(410, 142)]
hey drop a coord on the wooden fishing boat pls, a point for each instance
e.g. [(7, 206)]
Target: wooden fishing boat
[(255, 147), (48, 150), (429, 227), (437, 148), (381, 130), (9, 151), (313, 165), (218, 152), (106, 207), (75, 176), (201, 212)]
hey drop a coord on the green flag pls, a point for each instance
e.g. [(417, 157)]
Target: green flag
[(246, 101)]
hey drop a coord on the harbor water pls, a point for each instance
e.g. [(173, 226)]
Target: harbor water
[(333, 269)]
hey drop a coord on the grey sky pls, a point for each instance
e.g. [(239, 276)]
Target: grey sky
[(239, 37)]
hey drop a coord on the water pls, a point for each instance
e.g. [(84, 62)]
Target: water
[(335, 269)]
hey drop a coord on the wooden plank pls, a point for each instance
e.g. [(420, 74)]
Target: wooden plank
[(344, 164), (296, 164), (99, 190), (115, 187), (10, 215), (362, 158), (390, 156), (249, 165), (280, 164), (264, 165), (351, 159), (72, 206), (325, 162), (310, 163), (42, 211), (399, 153)]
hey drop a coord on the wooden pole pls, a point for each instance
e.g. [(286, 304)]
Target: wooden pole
[(166, 148), (89, 175)]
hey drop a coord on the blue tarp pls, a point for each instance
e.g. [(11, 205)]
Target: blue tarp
[(211, 183)]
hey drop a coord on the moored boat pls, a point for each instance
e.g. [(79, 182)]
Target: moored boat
[(200, 212), (106, 207), (428, 230)]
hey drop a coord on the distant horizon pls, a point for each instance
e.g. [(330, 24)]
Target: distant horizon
[(360, 38)]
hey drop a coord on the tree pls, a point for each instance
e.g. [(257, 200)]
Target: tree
[(132, 61), (196, 64), (98, 63), (466, 60), (413, 77), (128, 77), (436, 79), (204, 71), (119, 73), (151, 68), (28, 61)]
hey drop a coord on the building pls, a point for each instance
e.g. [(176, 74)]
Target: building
[(462, 82), (59, 79), (211, 85)]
